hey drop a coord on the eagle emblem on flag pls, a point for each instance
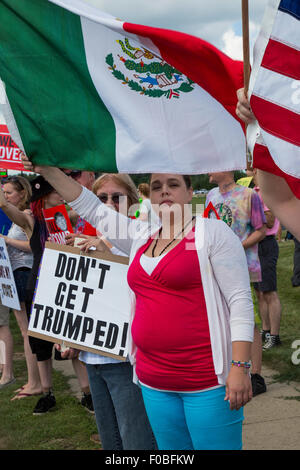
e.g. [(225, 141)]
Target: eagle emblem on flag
[(146, 73)]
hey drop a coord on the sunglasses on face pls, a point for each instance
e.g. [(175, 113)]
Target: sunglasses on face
[(115, 197)]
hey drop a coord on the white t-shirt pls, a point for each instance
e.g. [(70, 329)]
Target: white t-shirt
[(92, 358)]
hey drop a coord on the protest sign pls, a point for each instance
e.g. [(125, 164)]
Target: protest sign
[(82, 301), (58, 223), (210, 212), (245, 181), (10, 157), (8, 290), (5, 223)]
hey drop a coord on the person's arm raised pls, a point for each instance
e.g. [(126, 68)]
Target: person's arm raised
[(117, 227), (20, 218), (243, 109), (68, 188), (275, 191), (280, 200)]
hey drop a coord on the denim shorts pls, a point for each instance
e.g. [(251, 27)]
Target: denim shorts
[(21, 277)]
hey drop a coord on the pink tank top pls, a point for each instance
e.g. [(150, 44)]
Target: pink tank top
[(170, 326)]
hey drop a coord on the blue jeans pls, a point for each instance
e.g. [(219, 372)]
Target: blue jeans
[(193, 421), (119, 408)]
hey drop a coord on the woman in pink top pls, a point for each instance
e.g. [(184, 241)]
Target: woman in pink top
[(266, 290), (192, 313)]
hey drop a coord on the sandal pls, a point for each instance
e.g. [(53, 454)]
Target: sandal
[(21, 395)]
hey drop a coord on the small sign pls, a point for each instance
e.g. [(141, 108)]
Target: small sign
[(58, 223), (8, 291)]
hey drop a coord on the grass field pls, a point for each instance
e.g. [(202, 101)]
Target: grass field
[(70, 426), (280, 358)]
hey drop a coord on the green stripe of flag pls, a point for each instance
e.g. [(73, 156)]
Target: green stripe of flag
[(42, 52)]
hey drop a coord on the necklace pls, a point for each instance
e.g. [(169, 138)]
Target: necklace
[(170, 243)]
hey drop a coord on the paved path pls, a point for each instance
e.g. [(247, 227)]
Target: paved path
[(272, 419)]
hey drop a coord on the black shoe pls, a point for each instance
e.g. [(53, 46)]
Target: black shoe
[(258, 384), (87, 402), (271, 342), (264, 335), (45, 404)]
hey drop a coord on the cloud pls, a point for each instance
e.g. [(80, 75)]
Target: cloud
[(233, 42)]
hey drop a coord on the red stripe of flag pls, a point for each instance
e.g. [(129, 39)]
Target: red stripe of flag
[(214, 71), (276, 120), (3, 128), (282, 59), (263, 160)]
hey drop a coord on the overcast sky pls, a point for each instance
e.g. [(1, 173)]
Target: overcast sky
[(217, 21)]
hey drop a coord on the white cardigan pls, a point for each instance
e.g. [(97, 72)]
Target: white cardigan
[(223, 266)]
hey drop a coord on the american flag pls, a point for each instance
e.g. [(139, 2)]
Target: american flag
[(275, 93)]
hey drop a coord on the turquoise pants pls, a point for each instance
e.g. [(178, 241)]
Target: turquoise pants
[(193, 421)]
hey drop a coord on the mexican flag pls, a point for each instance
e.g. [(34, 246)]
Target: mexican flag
[(88, 91)]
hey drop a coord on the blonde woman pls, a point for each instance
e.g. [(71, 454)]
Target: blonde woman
[(120, 413), (118, 192), (15, 195)]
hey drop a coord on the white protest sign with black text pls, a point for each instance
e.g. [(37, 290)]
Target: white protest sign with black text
[(82, 301), (8, 290)]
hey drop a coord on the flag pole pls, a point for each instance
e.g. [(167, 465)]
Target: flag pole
[(246, 60)]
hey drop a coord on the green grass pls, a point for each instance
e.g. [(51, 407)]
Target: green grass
[(68, 427), (198, 200), (279, 358)]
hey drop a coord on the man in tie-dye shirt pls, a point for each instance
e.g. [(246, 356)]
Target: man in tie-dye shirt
[(240, 207)]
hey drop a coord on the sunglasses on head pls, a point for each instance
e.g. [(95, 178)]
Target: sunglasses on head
[(13, 179), (115, 197), (73, 173)]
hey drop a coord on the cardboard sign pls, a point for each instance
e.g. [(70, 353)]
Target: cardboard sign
[(9, 152), (58, 223), (82, 301), (8, 291)]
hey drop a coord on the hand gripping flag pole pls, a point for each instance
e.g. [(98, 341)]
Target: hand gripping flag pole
[(246, 59)]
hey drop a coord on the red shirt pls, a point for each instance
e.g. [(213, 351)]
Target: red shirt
[(170, 326)]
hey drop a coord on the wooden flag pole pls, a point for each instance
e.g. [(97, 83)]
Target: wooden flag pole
[(246, 60)]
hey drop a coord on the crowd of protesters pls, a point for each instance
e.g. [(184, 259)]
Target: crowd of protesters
[(169, 390), (195, 353)]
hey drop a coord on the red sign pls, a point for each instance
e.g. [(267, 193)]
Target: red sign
[(208, 211), (58, 223), (9, 152)]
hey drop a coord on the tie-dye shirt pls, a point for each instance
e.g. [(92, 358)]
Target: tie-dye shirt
[(242, 210)]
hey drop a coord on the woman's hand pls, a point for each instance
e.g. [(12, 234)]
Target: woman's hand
[(3, 201), (28, 165), (243, 109), (70, 238), (238, 388), (69, 353)]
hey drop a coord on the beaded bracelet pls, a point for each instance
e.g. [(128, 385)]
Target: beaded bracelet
[(247, 365)]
